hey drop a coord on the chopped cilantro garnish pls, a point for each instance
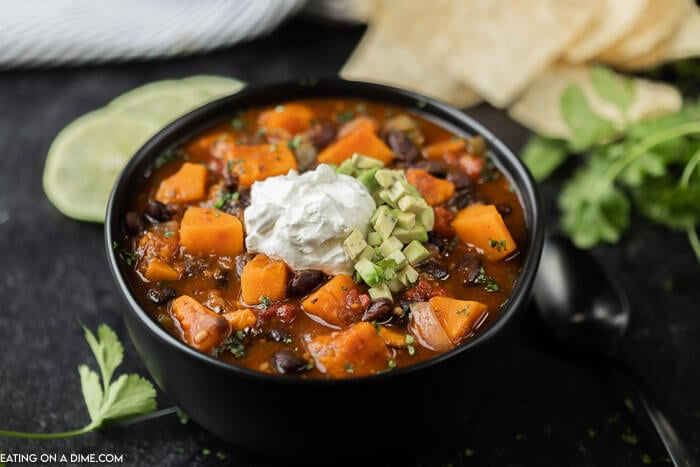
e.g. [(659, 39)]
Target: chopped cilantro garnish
[(349, 368), (345, 116), (489, 283), (264, 303), (498, 244), (238, 124), (295, 142), (129, 257)]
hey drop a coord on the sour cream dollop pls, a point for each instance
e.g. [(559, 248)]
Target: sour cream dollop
[(304, 219)]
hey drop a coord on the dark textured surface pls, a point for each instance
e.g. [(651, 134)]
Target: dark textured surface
[(546, 408)]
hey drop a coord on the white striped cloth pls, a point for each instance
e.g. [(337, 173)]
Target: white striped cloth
[(57, 32)]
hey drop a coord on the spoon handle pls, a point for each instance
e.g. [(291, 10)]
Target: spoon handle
[(675, 447)]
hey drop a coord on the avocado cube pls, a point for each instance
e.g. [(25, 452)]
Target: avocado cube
[(412, 204), (367, 179), (361, 161), (406, 236), (385, 197), (354, 244), (415, 252), (385, 224), (399, 258), (395, 285), (374, 239), (406, 220), (408, 276), (427, 218), (390, 245), (381, 291), (378, 212), (397, 191), (368, 253), (346, 168), (386, 177), (369, 272)]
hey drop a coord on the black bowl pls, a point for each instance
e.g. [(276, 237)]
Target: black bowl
[(402, 411)]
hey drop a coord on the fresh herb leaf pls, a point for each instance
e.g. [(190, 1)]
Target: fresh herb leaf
[(345, 116), (614, 88), (489, 283), (544, 155), (587, 127), (265, 303), (106, 400), (349, 368), (295, 142), (129, 257)]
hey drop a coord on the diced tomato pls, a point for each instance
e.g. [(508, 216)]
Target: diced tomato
[(443, 222), (424, 290)]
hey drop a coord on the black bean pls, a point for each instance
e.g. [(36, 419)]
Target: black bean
[(241, 260), (463, 198), (286, 361), (161, 296), (134, 222), (231, 182), (303, 282), (322, 134), (403, 147), (280, 335), (221, 276), (442, 243), (459, 179), (468, 268), (157, 212), (244, 198), (174, 209), (504, 209), (379, 310), (434, 168), (435, 268)]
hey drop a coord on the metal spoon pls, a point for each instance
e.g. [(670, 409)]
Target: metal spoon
[(586, 309)]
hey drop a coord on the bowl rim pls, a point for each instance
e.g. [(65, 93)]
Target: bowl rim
[(182, 129)]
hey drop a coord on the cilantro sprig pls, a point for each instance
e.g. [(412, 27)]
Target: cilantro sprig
[(106, 399), (651, 165)]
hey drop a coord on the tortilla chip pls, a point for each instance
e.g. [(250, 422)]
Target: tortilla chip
[(496, 49), (382, 59), (684, 44), (660, 21), (539, 108), (615, 19)]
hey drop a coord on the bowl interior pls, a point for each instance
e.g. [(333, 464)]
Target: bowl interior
[(226, 108)]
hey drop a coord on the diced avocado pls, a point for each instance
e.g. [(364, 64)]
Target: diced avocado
[(395, 285), (385, 224), (427, 218), (374, 239), (378, 212), (385, 197), (415, 252), (408, 235), (365, 162), (346, 168), (390, 245), (397, 191), (397, 257), (381, 291), (368, 253), (387, 177), (412, 204), (354, 244), (407, 276), (406, 220), (369, 272), (367, 179)]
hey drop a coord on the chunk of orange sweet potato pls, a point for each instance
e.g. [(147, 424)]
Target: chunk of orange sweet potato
[(482, 226), (240, 319), (205, 230), (157, 271), (457, 317), (292, 118), (440, 149), (334, 301), (356, 351), (363, 141), (264, 277), (257, 162), (201, 328), (434, 190), (187, 184)]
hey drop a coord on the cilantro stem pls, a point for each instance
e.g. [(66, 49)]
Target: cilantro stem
[(63, 434), (694, 240), (683, 183), (638, 150)]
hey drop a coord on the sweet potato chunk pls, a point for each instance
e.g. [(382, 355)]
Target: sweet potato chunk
[(264, 277), (187, 184), (204, 231), (292, 118), (257, 162), (336, 302), (356, 351), (363, 141), (159, 271), (160, 243), (481, 225), (457, 317), (201, 328), (391, 337), (438, 150), (217, 144), (240, 319), (358, 123), (434, 190)]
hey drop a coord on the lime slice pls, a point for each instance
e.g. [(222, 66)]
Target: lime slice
[(85, 159), (212, 86), (162, 101)]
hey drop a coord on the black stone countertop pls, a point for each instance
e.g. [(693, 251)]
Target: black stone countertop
[(546, 408)]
